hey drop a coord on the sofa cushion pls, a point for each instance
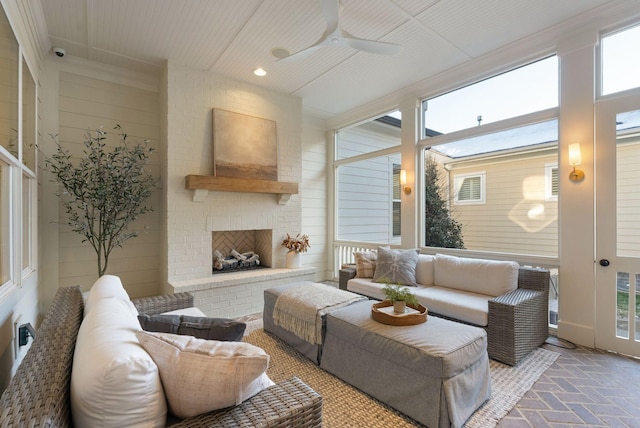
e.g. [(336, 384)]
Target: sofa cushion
[(424, 269), (365, 263), (396, 266), (461, 305), (200, 327), (490, 277), (204, 375), (107, 286), (114, 381)]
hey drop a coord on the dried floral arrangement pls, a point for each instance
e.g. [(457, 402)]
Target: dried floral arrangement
[(299, 243)]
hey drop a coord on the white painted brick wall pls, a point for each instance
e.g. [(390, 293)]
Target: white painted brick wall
[(191, 97)]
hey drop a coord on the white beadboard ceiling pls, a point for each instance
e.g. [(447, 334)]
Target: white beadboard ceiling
[(232, 37)]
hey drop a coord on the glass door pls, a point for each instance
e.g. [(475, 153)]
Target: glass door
[(618, 224)]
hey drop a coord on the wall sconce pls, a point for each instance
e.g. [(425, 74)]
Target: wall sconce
[(575, 158), (403, 181)]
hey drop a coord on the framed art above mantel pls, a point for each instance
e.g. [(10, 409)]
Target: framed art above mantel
[(244, 146)]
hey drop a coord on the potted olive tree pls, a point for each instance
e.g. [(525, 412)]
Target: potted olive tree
[(104, 190)]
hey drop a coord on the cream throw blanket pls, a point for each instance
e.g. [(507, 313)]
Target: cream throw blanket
[(300, 309)]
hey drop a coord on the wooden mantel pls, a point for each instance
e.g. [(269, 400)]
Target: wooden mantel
[(201, 184)]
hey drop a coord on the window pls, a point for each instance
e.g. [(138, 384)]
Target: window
[(551, 182), (620, 66), (18, 217), (396, 203), (377, 134), (364, 192), (5, 223), (469, 189), (496, 194), (531, 88), (28, 118), (28, 223), (367, 162), (9, 55)]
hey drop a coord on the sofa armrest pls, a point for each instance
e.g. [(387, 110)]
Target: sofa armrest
[(38, 395), (534, 278), (346, 273), (290, 403), (518, 323), (158, 304)]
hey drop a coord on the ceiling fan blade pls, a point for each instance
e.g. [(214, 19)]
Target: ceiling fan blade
[(372, 46), (331, 11), (300, 55)]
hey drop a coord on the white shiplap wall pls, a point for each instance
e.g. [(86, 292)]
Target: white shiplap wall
[(314, 191), (87, 103)]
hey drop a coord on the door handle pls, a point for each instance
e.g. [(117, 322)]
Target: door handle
[(604, 262)]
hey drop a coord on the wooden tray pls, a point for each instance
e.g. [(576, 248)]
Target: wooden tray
[(398, 319)]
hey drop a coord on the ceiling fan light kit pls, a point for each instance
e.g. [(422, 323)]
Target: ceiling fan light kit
[(334, 35)]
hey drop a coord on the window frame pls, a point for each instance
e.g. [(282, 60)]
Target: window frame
[(458, 178)]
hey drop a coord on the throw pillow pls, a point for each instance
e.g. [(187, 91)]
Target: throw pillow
[(396, 266), (490, 277), (114, 381), (104, 287), (200, 327), (365, 263), (204, 375)]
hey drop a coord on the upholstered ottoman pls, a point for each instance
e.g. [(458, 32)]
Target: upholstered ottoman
[(436, 372), (312, 302)]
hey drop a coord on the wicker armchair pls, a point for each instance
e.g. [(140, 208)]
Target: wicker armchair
[(38, 395), (517, 321)]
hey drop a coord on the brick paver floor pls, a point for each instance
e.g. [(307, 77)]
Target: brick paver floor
[(583, 388)]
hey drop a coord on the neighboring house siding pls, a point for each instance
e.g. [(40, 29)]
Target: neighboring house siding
[(628, 183), (86, 104), (364, 208), (515, 217)]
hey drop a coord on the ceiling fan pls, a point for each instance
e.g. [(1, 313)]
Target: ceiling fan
[(335, 35)]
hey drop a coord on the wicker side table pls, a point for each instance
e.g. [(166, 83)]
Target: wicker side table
[(347, 271)]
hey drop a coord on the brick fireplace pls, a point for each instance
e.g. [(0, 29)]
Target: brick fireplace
[(191, 96)]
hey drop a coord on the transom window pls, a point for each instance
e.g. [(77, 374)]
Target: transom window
[(620, 64), (530, 88)]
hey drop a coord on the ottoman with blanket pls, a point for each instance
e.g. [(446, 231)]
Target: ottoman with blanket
[(436, 372), (296, 312)]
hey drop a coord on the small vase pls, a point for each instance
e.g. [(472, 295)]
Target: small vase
[(399, 306), (294, 259)]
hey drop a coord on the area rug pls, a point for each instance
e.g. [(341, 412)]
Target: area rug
[(346, 406)]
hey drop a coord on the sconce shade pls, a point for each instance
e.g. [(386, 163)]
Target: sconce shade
[(575, 157), (403, 181)]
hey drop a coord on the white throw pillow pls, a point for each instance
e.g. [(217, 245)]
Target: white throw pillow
[(424, 270), (204, 375), (114, 381), (490, 277), (107, 286)]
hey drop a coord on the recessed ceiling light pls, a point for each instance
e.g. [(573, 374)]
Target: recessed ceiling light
[(260, 72)]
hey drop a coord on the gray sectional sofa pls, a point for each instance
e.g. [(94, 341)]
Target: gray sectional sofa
[(509, 301)]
